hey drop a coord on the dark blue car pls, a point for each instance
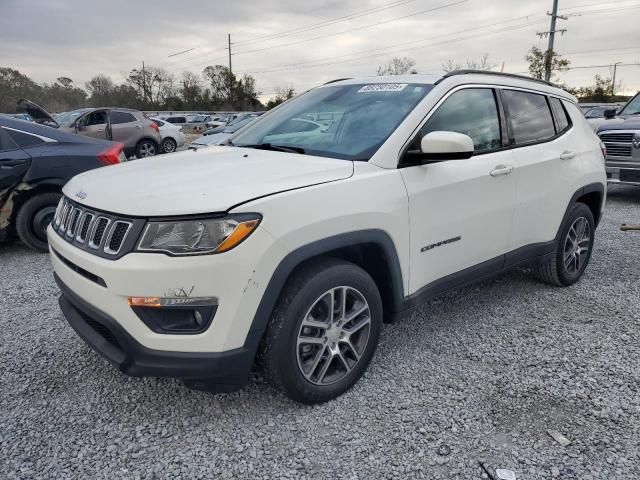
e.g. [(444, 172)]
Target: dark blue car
[(35, 163)]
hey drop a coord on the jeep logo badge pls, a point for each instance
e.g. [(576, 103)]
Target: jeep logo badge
[(81, 194)]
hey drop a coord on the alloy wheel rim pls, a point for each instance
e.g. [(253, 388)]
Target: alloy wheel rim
[(577, 244), (169, 146), (147, 150), (333, 335)]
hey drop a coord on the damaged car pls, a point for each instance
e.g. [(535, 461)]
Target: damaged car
[(140, 136), (35, 163)]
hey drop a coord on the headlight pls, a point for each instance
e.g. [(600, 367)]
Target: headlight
[(188, 237)]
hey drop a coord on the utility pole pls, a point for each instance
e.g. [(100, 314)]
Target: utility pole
[(548, 63), (230, 70), (144, 84), (613, 83)]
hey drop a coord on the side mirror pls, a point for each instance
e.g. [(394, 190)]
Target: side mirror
[(610, 113), (440, 147)]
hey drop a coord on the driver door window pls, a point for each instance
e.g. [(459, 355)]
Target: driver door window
[(93, 124), (473, 112)]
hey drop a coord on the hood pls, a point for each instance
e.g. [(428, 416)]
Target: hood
[(210, 180), (39, 114), (631, 122)]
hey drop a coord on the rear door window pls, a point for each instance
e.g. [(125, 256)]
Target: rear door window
[(122, 117), (177, 120), (530, 117)]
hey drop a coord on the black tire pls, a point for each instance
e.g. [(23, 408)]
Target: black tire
[(33, 218), (169, 145), (279, 351), (146, 148), (554, 270)]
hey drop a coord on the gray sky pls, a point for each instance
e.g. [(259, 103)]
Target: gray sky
[(48, 39)]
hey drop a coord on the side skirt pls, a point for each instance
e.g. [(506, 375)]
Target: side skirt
[(528, 255)]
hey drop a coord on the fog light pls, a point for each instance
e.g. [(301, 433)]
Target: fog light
[(183, 315)]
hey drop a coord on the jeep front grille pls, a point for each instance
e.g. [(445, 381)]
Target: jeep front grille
[(100, 233)]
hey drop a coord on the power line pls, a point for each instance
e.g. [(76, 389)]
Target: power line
[(362, 27), (324, 23), (391, 48), (328, 35)]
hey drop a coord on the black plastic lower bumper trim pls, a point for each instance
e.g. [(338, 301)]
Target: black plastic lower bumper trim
[(107, 337)]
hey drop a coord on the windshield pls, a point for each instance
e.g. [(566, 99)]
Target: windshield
[(633, 107), (343, 121), (67, 118)]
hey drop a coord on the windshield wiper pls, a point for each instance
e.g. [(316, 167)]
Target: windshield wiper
[(275, 148)]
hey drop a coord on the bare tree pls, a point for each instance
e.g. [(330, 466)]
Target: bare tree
[(282, 95), (482, 64), (398, 66)]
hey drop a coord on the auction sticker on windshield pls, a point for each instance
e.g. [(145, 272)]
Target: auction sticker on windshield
[(383, 87)]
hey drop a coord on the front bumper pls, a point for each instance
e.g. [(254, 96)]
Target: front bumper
[(226, 370), (623, 172)]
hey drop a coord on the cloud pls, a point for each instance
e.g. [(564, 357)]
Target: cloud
[(79, 38)]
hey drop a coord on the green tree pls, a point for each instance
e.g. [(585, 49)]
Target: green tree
[(539, 60)]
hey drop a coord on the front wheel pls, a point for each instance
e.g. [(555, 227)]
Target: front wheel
[(33, 219), (146, 148), (323, 332), (573, 249)]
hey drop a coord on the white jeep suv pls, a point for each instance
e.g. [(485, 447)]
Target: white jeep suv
[(289, 247)]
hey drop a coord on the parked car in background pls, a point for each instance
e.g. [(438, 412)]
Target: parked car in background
[(620, 133), (35, 163), (172, 136), (218, 138), (299, 251), (595, 112), (140, 136), (232, 121)]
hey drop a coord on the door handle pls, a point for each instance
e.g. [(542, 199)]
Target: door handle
[(8, 163), (99, 130), (501, 170), (138, 126), (567, 155)]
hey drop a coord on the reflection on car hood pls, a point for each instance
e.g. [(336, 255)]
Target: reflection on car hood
[(208, 180), (214, 139)]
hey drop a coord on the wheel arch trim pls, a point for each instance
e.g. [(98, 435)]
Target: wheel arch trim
[(324, 246)]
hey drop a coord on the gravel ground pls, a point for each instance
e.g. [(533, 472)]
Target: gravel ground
[(478, 375)]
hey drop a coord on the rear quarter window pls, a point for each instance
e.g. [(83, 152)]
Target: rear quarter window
[(530, 117), (563, 122), (6, 143), (23, 139)]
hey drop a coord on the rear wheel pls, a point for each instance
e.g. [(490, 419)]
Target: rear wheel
[(33, 219), (146, 148), (573, 249), (323, 332), (169, 145)]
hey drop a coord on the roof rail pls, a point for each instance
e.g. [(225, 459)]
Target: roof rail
[(489, 72), (337, 80)]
